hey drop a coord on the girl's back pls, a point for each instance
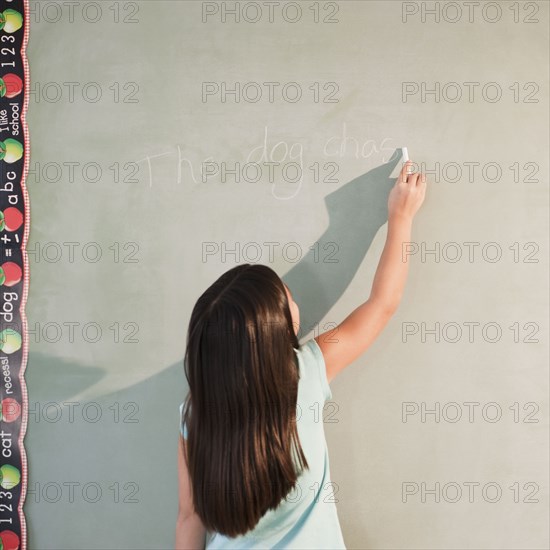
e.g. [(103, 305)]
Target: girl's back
[(307, 518)]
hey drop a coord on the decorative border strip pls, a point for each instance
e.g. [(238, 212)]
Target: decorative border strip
[(14, 269)]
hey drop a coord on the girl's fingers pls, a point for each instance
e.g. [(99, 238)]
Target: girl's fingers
[(414, 178), (404, 171), (422, 179)]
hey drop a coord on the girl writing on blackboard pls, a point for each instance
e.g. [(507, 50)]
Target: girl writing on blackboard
[(253, 464)]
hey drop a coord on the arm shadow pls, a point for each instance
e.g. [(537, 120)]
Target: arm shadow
[(356, 211)]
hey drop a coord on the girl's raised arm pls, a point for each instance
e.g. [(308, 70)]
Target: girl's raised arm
[(351, 338)]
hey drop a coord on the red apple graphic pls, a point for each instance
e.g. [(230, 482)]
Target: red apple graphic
[(10, 274), (10, 85), (11, 220), (11, 410), (9, 540)]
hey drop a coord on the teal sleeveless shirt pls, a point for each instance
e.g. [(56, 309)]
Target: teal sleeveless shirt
[(307, 518)]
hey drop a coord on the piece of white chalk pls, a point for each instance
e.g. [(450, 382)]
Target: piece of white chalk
[(405, 152)]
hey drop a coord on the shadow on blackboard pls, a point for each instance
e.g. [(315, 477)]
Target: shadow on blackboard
[(356, 211), (148, 413)]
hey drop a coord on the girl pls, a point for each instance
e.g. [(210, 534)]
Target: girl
[(253, 464)]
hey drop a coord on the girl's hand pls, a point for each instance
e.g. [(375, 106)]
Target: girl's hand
[(407, 195)]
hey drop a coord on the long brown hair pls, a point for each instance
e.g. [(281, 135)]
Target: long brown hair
[(240, 411)]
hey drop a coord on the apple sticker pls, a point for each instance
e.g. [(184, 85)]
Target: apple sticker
[(10, 150), (9, 540), (10, 476), (10, 85), (10, 273), (10, 410), (10, 21), (11, 219), (10, 341)]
